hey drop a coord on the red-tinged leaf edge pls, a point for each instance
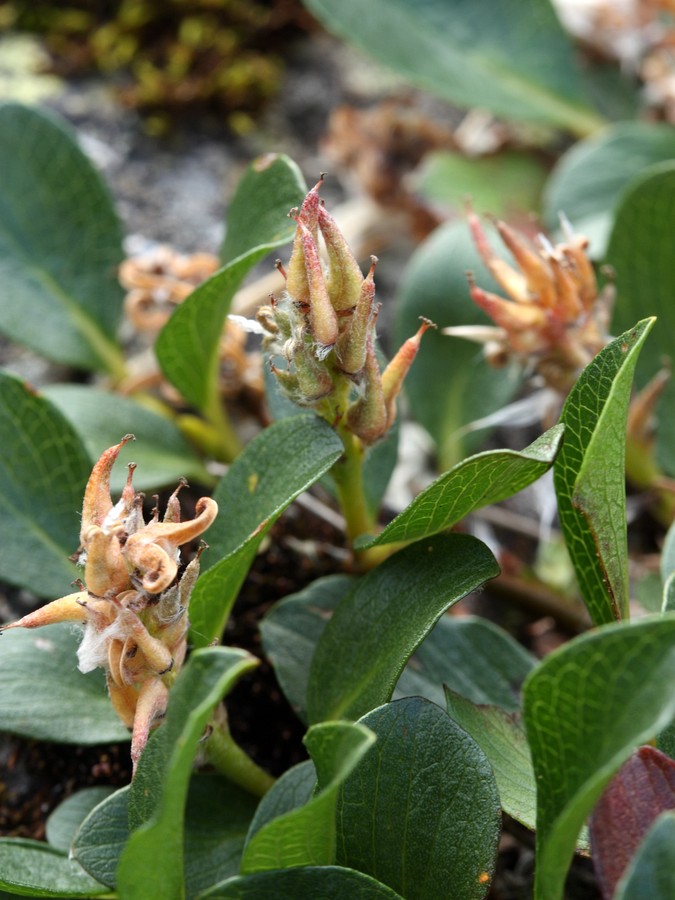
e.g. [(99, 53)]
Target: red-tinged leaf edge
[(642, 789)]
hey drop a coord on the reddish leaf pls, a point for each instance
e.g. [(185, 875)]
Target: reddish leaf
[(642, 789)]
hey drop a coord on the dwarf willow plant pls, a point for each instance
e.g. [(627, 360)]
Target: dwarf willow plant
[(411, 766)]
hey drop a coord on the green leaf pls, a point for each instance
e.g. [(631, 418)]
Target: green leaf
[(35, 869), (45, 696), (589, 475), (306, 835), (277, 466), (421, 812), (586, 707), (505, 184), (640, 253), (102, 837), (217, 818), (291, 630), (60, 245), (101, 419), (512, 58), (472, 657), (667, 566), (588, 181), (434, 285), (302, 883), (64, 823), (154, 854), (290, 791), (187, 346), (651, 874), (258, 211), (43, 474), (478, 481), (501, 736), (387, 615)]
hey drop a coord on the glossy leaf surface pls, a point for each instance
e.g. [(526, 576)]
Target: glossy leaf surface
[(280, 463), (589, 475), (477, 481), (43, 473), (60, 245), (421, 810), (587, 706), (382, 621)]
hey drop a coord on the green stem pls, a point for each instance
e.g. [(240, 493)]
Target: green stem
[(348, 475), (230, 760)]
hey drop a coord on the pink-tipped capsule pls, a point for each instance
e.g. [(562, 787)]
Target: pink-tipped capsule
[(353, 340), (344, 275), (395, 373), (323, 323), (367, 417)]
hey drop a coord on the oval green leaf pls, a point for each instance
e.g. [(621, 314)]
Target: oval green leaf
[(473, 657), (478, 481), (507, 184), (387, 615), (586, 707), (65, 821), (305, 836), (43, 473), (640, 252), (155, 851), (161, 452), (512, 58), (187, 346), (588, 181), (45, 696), (421, 812), (60, 245), (589, 475), (290, 632), (302, 883), (35, 869), (213, 842), (277, 466)]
